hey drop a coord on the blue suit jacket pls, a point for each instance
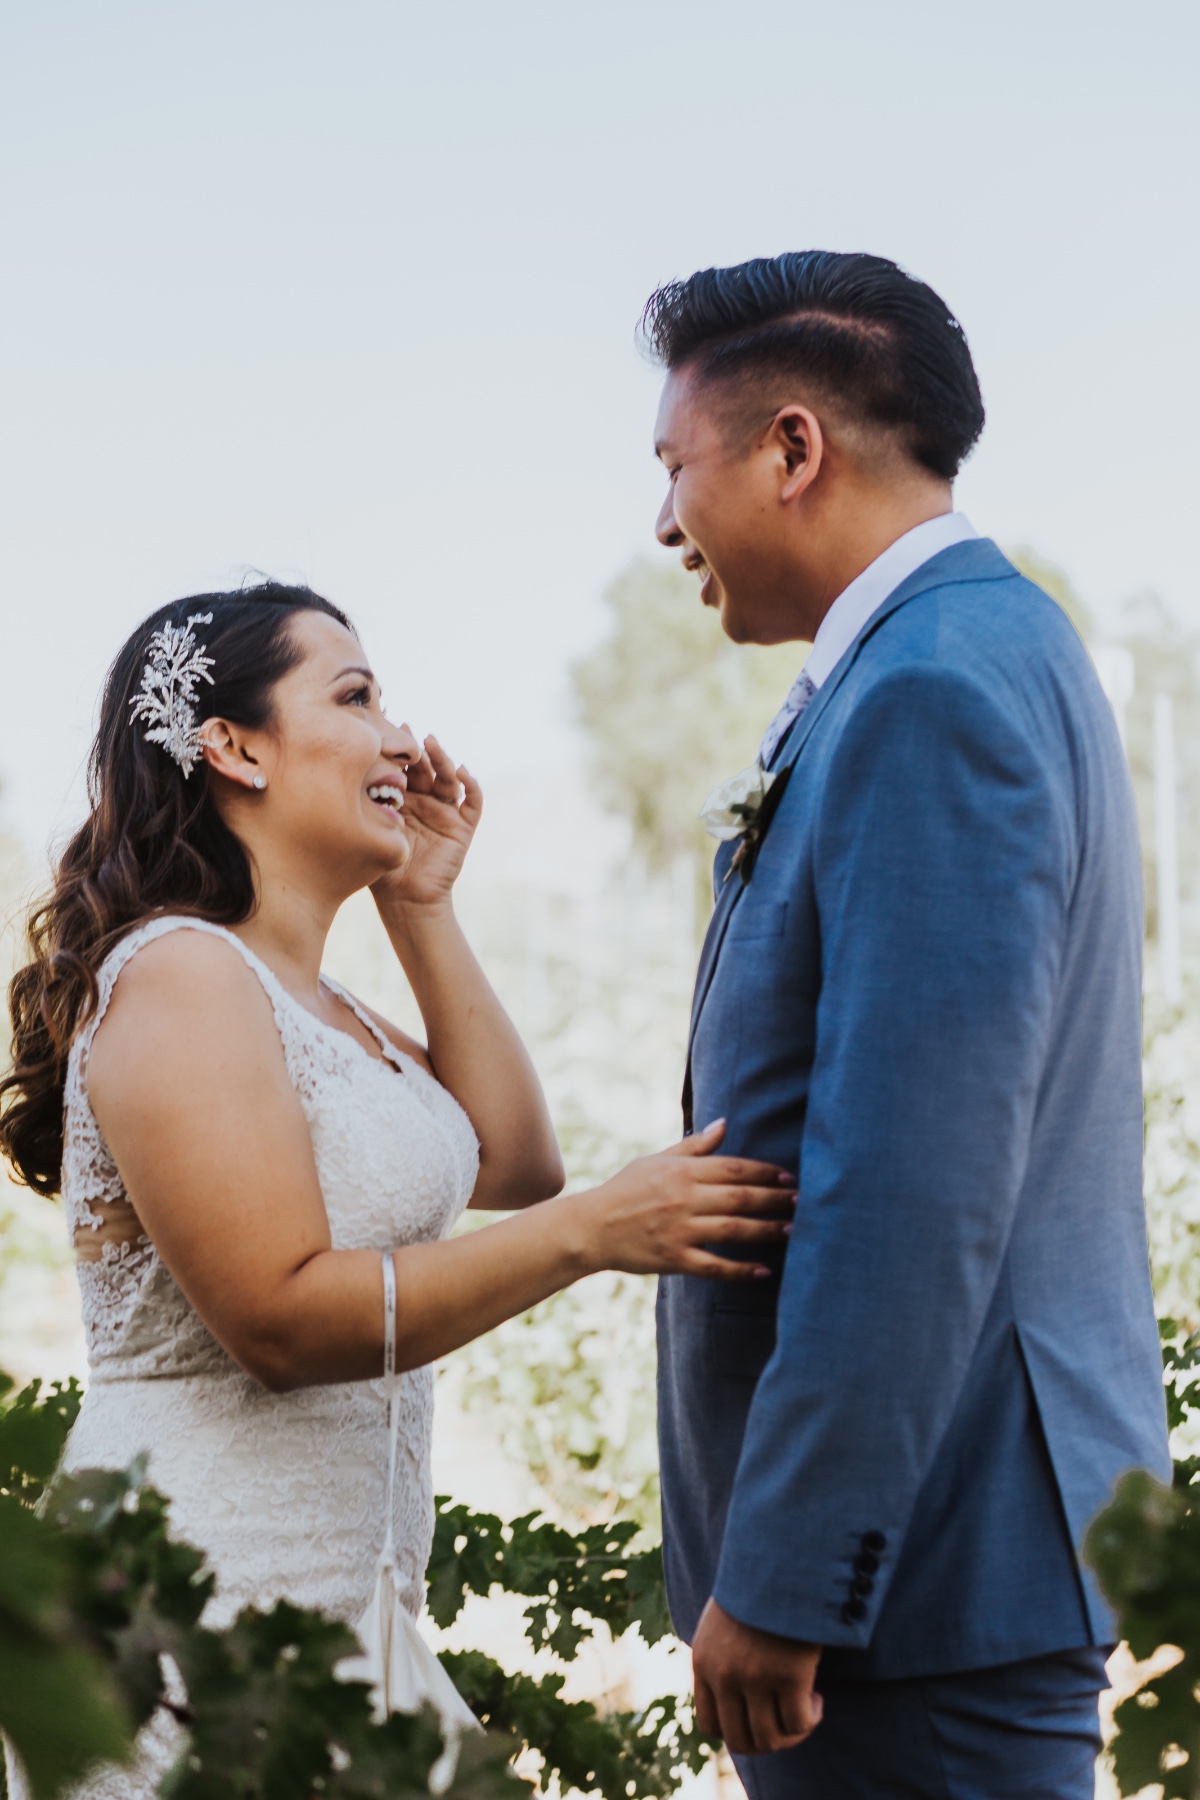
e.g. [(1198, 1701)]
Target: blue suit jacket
[(926, 1002)]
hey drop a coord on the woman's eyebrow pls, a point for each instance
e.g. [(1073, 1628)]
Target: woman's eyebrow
[(353, 669)]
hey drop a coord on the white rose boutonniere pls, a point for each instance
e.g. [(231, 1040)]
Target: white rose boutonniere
[(731, 808), (742, 807)]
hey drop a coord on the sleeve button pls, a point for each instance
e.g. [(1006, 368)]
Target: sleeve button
[(863, 1584), (866, 1563), (854, 1610), (874, 1540)]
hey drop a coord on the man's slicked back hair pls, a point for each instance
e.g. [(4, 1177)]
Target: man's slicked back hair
[(856, 328)]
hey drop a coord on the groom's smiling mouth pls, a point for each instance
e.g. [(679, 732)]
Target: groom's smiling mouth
[(696, 565)]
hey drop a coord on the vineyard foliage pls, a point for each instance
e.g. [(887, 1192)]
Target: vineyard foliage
[(101, 1625), (1145, 1550)]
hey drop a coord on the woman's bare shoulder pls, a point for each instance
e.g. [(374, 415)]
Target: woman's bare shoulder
[(185, 995), (187, 960)]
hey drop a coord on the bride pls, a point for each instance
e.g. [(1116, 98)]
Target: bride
[(250, 1158)]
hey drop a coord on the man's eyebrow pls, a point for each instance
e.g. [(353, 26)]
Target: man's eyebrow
[(354, 669)]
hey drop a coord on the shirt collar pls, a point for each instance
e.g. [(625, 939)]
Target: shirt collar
[(868, 591)]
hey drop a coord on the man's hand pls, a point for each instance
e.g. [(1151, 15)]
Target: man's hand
[(753, 1689)]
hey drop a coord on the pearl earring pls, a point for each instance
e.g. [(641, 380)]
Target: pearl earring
[(260, 782)]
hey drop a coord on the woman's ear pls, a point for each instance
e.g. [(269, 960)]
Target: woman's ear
[(226, 754)]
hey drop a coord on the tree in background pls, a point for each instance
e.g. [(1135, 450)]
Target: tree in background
[(36, 1273), (1165, 656), (1054, 581), (1166, 660), (669, 708), (569, 1391)]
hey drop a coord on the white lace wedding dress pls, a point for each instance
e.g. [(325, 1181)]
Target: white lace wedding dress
[(286, 1493)]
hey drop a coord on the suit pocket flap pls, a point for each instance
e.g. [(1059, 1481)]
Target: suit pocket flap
[(755, 918)]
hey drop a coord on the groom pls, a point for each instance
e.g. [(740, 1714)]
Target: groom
[(920, 990)]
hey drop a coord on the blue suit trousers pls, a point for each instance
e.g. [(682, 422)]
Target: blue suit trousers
[(1023, 1731)]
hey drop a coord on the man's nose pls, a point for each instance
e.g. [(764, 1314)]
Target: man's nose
[(666, 530)]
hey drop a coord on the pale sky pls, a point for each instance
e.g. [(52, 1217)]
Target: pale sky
[(347, 291)]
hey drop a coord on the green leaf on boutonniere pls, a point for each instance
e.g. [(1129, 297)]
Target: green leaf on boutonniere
[(746, 854)]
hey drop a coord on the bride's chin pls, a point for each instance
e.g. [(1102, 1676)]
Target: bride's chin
[(390, 843), (362, 865), (402, 854)]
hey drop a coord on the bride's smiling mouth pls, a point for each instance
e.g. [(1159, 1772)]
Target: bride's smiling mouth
[(387, 796)]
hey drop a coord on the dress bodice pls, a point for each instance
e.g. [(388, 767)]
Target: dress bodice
[(396, 1159), (286, 1494)]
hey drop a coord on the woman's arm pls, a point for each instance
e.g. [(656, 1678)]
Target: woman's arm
[(188, 1084), (474, 1049)]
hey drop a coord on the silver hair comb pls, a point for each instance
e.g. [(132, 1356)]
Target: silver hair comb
[(167, 699)]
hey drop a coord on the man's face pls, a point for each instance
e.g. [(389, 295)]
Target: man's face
[(722, 510)]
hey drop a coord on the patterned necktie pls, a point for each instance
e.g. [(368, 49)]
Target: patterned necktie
[(799, 695)]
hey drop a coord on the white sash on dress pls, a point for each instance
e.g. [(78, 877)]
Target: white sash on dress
[(402, 1670)]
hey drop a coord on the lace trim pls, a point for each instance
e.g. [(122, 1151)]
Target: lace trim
[(89, 1172), (391, 1051), (387, 1179), (462, 1144)]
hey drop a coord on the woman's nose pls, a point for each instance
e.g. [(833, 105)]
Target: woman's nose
[(400, 742)]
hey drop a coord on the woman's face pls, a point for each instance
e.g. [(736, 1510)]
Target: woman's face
[(335, 767)]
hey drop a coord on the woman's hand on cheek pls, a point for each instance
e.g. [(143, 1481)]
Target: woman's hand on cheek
[(442, 807)]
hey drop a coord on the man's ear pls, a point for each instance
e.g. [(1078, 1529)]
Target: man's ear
[(798, 437)]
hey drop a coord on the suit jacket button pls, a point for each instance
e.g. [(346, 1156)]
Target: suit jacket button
[(862, 1584), (866, 1563), (874, 1540), (853, 1610)]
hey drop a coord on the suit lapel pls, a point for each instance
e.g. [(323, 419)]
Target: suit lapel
[(729, 892), (977, 559)]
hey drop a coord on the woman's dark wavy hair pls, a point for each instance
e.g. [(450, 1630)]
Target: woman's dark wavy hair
[(154, 842)]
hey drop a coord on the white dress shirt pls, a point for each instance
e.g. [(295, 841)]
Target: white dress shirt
[(855, 605)]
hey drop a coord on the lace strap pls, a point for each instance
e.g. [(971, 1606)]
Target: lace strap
[(144, 934), (390, 1050), (391, 1387)]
